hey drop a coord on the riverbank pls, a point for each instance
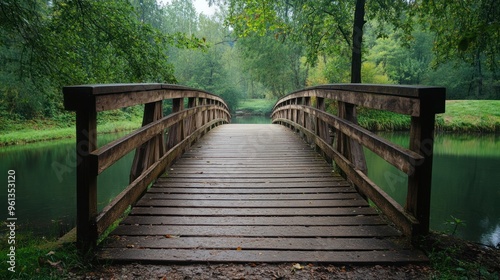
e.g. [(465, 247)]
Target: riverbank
[(18, 132), (462, 116)]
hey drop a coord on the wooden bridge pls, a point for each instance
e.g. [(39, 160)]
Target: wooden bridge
[(204, 190)]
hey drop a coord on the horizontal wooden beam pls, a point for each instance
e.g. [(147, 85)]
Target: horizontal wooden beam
[(395, 98), (114, 96)]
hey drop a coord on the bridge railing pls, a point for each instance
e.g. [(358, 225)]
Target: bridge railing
[(304, 112), (157, 143)]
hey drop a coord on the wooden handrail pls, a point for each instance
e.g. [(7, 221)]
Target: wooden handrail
[(153, 153), (298, 112)]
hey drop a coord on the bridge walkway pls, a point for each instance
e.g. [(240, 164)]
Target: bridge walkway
[(254, 193)]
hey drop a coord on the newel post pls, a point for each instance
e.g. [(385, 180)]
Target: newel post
[(86, 179), (418, 200)]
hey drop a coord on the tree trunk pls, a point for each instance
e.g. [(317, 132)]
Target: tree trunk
[(357, 40)]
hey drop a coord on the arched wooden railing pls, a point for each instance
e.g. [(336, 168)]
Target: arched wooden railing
[(153, 153), (304, 111)]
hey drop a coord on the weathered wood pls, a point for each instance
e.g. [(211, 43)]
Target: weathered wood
[(254, 197), (258, 231), (418, 200), (405, 221), (255, 221), (252, 256), (86, 183), (244, 185), (253, 204), (242, 190), (421, 103), (148, 152), (120, 203), (399, 157), (394, 98), (247, 243), (310, 214), (263, 212), (116, 96), (108, 154)]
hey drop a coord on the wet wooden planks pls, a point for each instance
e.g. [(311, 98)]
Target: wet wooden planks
[(254, 193)]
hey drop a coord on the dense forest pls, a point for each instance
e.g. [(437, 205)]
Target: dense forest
[(247, 49)]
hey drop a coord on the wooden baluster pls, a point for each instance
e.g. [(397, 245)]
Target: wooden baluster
[(351, 149), (86, 182), (306, 121), (175, 132), (151, 151), (189, 123), (322, 127)]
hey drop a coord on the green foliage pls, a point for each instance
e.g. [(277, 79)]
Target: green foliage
[(463, 29), (455, 223), (49, 44), (276, 65)]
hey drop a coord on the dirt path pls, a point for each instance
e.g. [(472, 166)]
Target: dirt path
[(256, 271)]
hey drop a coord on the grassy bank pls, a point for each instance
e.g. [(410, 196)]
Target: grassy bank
[(16, 132), (259, 107), (464, 116)]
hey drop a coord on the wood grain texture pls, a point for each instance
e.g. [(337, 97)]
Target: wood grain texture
[(254, 193)]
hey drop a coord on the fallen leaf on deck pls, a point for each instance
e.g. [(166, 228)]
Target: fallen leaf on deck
[(171, 236), (130, 246), (238, 249)]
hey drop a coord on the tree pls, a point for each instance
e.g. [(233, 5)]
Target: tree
[(325, 26), (275, 65), (468, 30), (50, 44)]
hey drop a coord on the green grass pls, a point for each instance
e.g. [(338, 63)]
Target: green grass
[(256, 106), (14, 132), (39, 258), (470, 116), (466, 116)]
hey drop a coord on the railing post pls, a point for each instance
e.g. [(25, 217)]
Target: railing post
[(321, 126), (175, 132), (418, 200), (307, 122), (151, 151), (351, 149), (86, 178)]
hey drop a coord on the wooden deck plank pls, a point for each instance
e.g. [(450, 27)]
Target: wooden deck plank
[(268, 256), (252, 204), (246, 243), (254, 193), (216, 190), (258, 231), (264, 212), (262, 221), (251, 197)]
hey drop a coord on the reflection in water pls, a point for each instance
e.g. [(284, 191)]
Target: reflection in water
[(465, 183), (46, 183)]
